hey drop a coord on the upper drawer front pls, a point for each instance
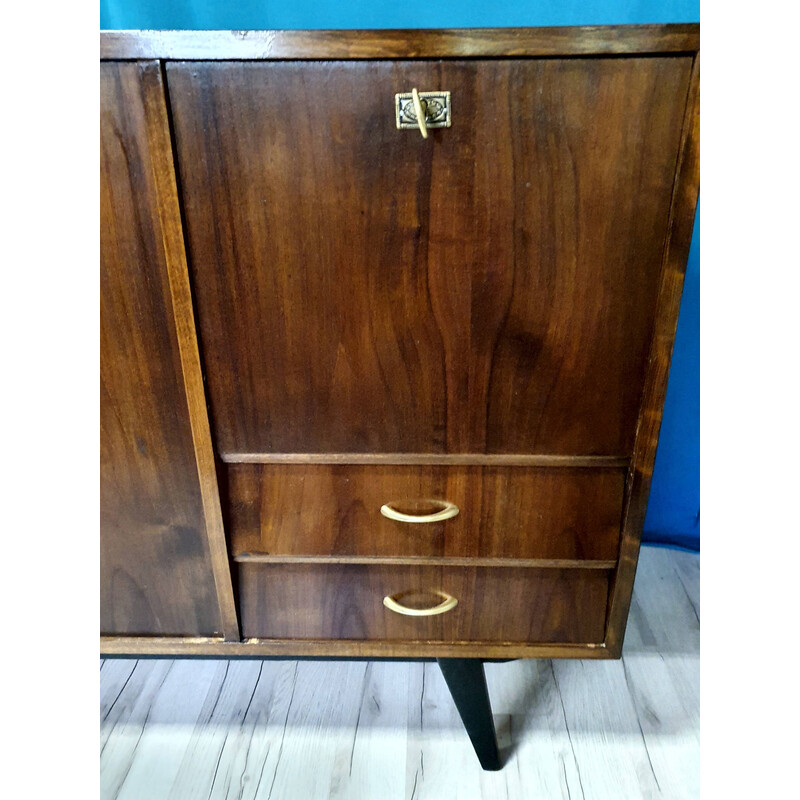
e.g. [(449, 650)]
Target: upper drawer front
[(503, 512), (488, 289)]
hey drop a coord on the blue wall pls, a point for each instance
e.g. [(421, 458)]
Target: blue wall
[(254, 14), (673, 515)]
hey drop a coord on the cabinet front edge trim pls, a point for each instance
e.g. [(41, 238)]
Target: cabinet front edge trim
[(406, 44), (433, 459), (296, 648)]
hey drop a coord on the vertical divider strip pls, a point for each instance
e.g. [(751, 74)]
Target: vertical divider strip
[(162, 157)]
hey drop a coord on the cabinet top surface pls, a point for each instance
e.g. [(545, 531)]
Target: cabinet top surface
[(393, 44)]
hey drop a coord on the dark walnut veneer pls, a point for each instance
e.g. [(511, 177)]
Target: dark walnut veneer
[(307, 313)]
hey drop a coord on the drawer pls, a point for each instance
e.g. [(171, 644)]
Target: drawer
[(340, 511), (500, 604)]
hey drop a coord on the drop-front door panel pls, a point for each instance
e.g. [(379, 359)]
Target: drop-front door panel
[(488, 290)]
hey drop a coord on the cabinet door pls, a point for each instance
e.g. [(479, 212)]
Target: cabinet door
[(156, 572), (489, 289)]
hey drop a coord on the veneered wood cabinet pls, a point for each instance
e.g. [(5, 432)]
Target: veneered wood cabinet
[(370, 393)]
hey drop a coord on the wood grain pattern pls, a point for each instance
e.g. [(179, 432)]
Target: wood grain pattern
[(360, 289), (346, 602), (160, 143), (676, 253), (507, 513), (156, 573), (452, 43)]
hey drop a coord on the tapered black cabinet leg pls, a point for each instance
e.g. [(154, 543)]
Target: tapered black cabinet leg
[(467, 683)]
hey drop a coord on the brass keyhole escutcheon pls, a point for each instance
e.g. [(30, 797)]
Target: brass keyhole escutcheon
[(422, 111)]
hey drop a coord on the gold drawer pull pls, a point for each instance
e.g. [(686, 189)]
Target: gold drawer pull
[(447, 511), (448, 603)]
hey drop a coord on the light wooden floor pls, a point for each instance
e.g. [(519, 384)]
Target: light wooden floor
[(599, 730)]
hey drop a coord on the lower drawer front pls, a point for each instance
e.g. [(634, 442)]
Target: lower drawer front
[(346, 601)]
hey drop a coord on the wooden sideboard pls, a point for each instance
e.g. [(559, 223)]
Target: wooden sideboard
[(369, 390)]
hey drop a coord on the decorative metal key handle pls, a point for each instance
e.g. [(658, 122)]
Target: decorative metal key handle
[(420, 112)]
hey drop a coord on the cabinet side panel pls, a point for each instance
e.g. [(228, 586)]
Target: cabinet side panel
[(676, 254), (156, 576)]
